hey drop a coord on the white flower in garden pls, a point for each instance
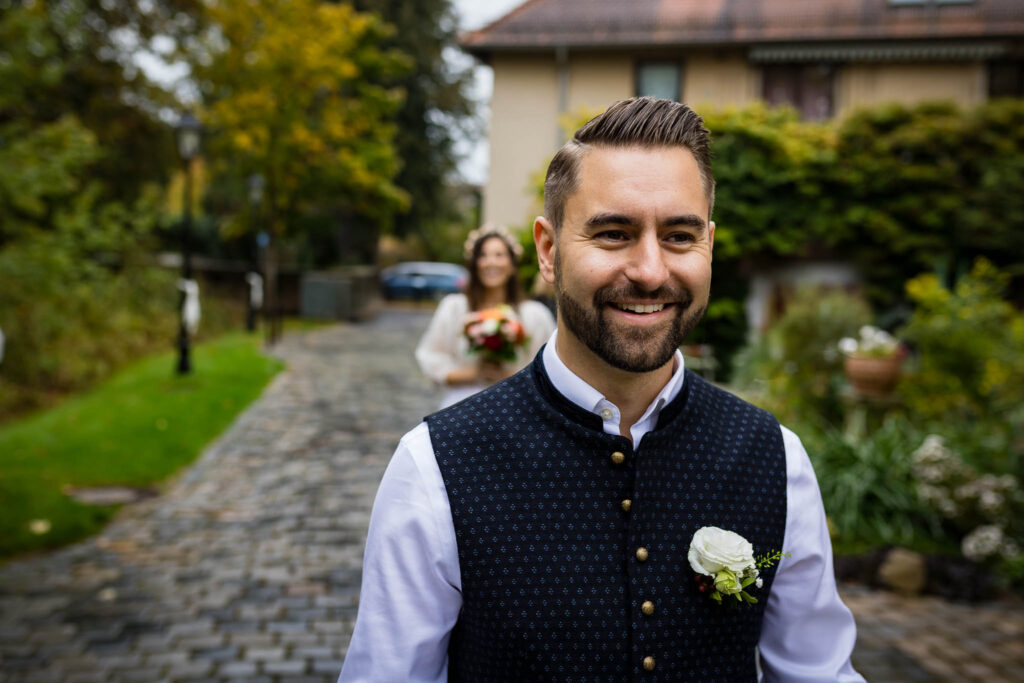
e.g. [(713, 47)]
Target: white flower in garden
[(871, 341), (848, 345), (948, 508), (991, 502), (713, 549), (982, 543), (39, 526)]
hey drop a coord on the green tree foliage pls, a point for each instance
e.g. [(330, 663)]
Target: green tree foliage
[(292, 91), (434, 112), (77, 298), (75, 57)]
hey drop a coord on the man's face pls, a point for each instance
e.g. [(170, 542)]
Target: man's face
[(632, 262)]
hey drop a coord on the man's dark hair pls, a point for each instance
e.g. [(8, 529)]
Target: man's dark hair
[(636, 122)]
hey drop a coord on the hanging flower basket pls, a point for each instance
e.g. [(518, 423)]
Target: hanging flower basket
[(873, 376)]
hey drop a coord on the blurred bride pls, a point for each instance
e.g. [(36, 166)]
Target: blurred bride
[(443, 353)]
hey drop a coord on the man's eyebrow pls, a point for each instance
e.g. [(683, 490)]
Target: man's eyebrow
[(690, 220), (602, 219)]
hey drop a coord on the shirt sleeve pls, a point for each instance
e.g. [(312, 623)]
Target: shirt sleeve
[(437, 352), (808, 633), (411, 589)]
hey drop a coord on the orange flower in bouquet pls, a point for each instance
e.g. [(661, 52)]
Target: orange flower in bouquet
[(495, 333)]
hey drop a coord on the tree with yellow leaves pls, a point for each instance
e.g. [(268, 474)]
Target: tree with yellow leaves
[(291, 91)]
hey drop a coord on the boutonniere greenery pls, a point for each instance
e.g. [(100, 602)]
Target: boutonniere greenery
[(725, 564)]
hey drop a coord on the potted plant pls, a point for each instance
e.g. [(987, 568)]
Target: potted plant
[(873, 361)]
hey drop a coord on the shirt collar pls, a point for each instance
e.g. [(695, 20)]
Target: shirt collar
[(574, 388)]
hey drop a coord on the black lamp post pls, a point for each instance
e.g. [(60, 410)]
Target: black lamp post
[(255, 184), (188, 132)]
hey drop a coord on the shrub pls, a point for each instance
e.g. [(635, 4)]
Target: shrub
[(969, 367), (795, 368), (869, 490)]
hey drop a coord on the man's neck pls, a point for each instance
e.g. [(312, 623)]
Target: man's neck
[(631, 392)]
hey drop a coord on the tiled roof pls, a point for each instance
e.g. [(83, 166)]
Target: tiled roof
[(545, 24)]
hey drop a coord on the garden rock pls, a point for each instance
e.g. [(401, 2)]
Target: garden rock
[(904, 571)]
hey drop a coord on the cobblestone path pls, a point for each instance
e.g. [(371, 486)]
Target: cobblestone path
[(247, 568)]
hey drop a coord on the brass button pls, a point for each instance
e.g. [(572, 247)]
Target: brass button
[(641, 554), (648, 663), (626, 504), (618, 457), (647, 607)]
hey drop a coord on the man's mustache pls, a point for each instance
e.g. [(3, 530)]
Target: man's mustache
[(666, 294)]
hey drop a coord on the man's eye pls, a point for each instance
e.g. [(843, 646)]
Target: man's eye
[(681, 238), (613, 235)]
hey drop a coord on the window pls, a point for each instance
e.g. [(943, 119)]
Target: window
[(1006, 79), (659, 79), (806, 87)]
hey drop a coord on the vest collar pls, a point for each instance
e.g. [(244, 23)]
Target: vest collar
[(587, 419)]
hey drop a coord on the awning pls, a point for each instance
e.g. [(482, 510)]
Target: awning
[(880, 52)]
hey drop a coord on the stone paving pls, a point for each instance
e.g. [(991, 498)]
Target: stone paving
[(247, 567)]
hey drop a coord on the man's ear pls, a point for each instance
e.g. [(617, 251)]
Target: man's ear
[(544, 238), (711, 236)]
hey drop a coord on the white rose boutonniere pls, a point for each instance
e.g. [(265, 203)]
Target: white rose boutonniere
[(725, 564)]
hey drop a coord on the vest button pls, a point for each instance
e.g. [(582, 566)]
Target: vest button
[(648, 663), (618, 457), (647, 608), (626, 504), (641, 554)]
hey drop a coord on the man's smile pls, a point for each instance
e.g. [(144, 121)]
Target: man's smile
[(640, 308)]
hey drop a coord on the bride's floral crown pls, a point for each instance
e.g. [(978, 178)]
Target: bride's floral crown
[(490, 230)]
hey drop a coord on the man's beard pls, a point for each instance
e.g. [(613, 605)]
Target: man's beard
[(630, 348)]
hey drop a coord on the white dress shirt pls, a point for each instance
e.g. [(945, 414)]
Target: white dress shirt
[(444, 346), (412, 591)]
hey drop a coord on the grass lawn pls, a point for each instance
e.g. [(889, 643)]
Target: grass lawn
[(137, 429)]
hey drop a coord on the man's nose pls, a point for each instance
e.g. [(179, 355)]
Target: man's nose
[(647, 264)]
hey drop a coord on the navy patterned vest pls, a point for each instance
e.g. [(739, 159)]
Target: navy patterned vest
[(572, 546)]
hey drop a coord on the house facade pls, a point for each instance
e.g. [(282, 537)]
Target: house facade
[(823, 57)]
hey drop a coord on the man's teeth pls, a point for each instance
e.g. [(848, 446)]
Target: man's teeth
[(641, 308)]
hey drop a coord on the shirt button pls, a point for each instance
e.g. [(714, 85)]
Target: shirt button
[(648, 663), (647, 608), (618, 457), (641, 554), (626, 504), (606, 413)]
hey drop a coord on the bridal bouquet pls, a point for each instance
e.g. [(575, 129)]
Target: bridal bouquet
[(495, 333)]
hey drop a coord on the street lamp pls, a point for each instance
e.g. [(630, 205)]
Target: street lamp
[(189, 133), (253, 277)]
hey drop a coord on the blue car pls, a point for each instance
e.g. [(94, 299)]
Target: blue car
[(422, 280)]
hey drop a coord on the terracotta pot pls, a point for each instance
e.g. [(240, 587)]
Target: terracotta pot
[(873, 376)]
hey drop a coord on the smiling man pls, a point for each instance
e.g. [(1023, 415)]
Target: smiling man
[(596, 517)]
